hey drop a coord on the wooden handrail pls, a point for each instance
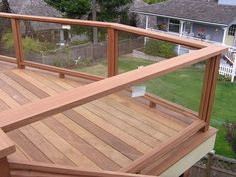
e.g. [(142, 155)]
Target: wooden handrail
[(62, 71), (15, 118), (7, 147), (65, 170), (7, 59), (164, 148), (116, 26)]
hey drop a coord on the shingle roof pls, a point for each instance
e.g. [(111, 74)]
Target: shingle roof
[(198, 10), (35, 7)]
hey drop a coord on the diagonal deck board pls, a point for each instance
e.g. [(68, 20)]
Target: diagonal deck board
[(108, 133), (88, 150)]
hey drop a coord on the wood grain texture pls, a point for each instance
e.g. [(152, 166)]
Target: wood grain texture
[(164, 148), (78, 96), (7, 146), (64, 170), (108, 133), (4, 167), (112, 52), (17, 42)]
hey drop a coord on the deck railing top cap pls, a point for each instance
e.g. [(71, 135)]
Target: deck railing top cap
[(116, 26)]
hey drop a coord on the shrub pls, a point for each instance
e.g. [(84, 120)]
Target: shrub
[(160, 48), (224, 78), (231, 134), (8, 40), (29, 44)]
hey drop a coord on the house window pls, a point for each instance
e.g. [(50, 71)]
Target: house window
[(232, 30), (174, 25)]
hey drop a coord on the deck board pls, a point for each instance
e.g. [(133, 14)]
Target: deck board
[(108, 133)]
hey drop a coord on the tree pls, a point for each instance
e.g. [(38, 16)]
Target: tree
[(107, 10), (71, 8)]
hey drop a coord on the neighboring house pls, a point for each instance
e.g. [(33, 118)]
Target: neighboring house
[(44, 31), (209, 20)]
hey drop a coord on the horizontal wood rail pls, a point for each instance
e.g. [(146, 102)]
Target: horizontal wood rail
[(119, 27), (25, 167), (183, 150), (62, 71), (164, 148), (6, 145), (173, 106), (7, 59), (15, 118)]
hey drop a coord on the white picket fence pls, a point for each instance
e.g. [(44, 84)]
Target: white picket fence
[(228, 70)]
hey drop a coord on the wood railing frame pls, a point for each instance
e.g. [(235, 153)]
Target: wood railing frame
[(65, 170), (112, 49), (208, 91), (18, 42), (7, 147), (26, 114)]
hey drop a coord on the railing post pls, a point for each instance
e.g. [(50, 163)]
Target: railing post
[(112, 49), (208, 92), (4, 168), (18, 42), (7, 147), (210, 159)]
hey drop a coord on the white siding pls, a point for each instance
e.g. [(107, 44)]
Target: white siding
[(228, 2)]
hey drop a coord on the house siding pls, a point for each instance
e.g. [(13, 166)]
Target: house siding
[(228, 2), (216, 32)]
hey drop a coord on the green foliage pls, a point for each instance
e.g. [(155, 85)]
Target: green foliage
[(29, 44), (71, 8), (78, 42), (109, 10), (153, 1), (159, 48), (224, 78), (8, 40)]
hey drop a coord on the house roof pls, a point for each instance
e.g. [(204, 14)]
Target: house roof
[(195, 10), (38, 8)]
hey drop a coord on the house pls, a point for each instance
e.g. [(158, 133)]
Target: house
[(208, 20), (50, 32)]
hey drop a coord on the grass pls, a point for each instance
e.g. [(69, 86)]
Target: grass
[(184, 87)]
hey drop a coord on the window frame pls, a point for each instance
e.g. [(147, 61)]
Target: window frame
[(172, 22)]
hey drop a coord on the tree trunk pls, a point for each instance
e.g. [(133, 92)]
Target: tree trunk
[(94, 18)]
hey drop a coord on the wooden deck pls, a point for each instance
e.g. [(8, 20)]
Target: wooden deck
[(108, 133)]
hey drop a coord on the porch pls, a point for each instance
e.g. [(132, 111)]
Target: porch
[(221, 35), (86, 125)]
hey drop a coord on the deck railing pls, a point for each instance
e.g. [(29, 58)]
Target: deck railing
[(26, 114)]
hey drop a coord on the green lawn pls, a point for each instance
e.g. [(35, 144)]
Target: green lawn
[(184, 87)]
